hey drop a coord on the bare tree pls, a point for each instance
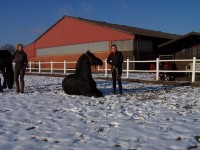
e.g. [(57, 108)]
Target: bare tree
[(8, 47)]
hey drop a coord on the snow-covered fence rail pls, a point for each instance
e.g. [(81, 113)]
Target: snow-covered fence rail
[(36, 67)]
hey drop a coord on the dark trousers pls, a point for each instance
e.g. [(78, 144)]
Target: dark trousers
[(116, 75), (19, 72)]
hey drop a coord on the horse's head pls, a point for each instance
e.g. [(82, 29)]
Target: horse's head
[(93, 59)]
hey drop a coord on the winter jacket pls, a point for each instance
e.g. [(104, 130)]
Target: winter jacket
[(20, 59), (116, 60)]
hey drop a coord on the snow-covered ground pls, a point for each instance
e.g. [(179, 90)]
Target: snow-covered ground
[(147, 116)]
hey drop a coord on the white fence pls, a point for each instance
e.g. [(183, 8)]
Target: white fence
[(193, 70)]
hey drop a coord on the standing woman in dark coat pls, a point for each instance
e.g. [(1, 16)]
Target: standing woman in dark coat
[(115, 59), (21, 61)]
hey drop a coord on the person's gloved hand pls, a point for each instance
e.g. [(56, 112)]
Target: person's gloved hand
[(25, 65), (118, 77), (113, 68)]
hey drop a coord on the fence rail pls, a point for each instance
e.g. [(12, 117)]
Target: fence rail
[(36, 67)]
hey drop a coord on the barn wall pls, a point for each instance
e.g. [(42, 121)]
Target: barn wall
[(30, 50), (55, 44), (188, 53), (71, 31)]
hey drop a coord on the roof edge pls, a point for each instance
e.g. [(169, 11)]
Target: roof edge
[(181, 37), (99, 23)]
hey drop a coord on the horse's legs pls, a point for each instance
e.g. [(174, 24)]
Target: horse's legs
[(10, 77), (5, 78), (98, 93), (1, 89), (95, 92)]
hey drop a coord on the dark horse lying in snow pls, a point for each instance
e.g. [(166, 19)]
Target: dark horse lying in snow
[(82, 83), (7, 69)]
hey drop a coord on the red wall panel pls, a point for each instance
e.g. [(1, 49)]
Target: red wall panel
[(70, 31), (73, 31), (30, 50)]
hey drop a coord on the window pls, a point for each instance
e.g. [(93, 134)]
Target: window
[(124, 45), (196, 52), (166, 57), (185, 53), (76, 48)]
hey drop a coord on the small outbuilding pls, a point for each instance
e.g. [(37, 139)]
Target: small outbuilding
[(183, 47)]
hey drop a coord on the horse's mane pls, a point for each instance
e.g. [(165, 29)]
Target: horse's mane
[(83, 65)]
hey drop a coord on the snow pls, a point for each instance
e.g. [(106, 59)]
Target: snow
[(147, 116)]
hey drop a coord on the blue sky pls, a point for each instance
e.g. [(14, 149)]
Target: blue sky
[(22, 21)]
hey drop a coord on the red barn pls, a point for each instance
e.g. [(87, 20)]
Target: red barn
[(70, 36)]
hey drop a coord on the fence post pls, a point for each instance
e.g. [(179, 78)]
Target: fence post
[(106, 68), (193, 69), (39, 63), (64, 67), (30, 67), (127, 69), (157, 69), (51, 67)]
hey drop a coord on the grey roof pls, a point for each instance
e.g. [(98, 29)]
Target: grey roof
[(130, 29)]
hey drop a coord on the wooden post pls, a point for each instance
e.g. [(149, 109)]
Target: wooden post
[(30, 66), (39, 67), (193, 69), (157, 69), (106, 68), (64, 67), (51, 67), (127, 69)]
